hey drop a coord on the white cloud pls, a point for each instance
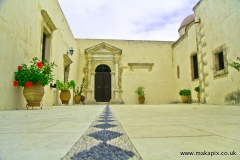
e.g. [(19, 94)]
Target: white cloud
[(126, 19)]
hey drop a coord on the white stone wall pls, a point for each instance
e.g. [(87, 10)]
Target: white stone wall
[(183, 49), (21, 28), (219, 26), (159, 82)]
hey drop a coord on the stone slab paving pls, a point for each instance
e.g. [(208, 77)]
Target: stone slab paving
[(163, 131), (46, 134), (148, 131)]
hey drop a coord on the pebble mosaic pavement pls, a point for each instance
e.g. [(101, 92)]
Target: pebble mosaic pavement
[(105, 139)]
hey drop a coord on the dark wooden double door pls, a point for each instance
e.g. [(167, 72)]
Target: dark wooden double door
[(102, 86)]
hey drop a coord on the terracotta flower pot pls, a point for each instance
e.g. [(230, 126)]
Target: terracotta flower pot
[(83, 99), (77, 99), (34, 94), (185, 98), (65, 96), (141, 99)]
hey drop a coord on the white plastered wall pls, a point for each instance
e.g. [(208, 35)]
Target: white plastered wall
[(21, 27), (158, 83), (216, 29), (183, 49)]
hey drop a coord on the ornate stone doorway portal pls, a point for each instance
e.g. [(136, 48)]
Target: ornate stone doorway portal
[(103, 74), (102, 84)]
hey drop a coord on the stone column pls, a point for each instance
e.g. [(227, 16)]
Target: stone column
[(92, 84), (113, 84), (116, 72), (89, 91), (117, 92), (89, 72)]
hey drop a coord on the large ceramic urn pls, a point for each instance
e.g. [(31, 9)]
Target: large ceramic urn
[(77, 99), (185, 98), (141, 99), (65, 96), (34, 94)]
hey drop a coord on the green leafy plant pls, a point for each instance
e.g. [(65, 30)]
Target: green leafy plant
[(79, 91), (63, 87), (197, 89), (140, 91), (37, 72), (185, 92), (235, 65)]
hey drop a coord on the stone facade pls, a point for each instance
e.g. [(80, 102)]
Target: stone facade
[(141, 63), (163, 68)]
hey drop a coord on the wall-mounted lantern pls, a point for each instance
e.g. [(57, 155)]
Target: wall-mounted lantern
[(70, 51)]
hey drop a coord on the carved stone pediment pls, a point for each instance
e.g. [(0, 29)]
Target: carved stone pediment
[(103, 48)]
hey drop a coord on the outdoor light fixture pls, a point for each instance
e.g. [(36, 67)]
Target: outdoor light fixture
[(70, 51), (53, 85)]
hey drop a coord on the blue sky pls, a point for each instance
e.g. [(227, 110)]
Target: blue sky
[(126, 19)]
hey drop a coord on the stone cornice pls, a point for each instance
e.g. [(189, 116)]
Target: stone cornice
[(48, 20), (67, 60), (141, 65), (103, 53)]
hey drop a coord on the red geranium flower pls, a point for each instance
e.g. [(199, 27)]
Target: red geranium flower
[(15, 83), (28, 84), (19, 67), (39, 64)]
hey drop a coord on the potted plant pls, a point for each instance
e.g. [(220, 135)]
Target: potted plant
[(33, 78), (140, 92), (65, 94), (185, 93), (79, 95), (197, 89)]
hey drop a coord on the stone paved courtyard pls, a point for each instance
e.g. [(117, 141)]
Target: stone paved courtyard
[(137, 131)]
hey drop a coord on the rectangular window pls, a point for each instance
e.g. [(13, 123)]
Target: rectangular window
[(46, 42), (47, 29), (195, 67), (220, 61), (66, 74), (44, 46), (178, 72)]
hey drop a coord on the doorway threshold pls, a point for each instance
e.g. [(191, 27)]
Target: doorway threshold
[(102, 103)]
